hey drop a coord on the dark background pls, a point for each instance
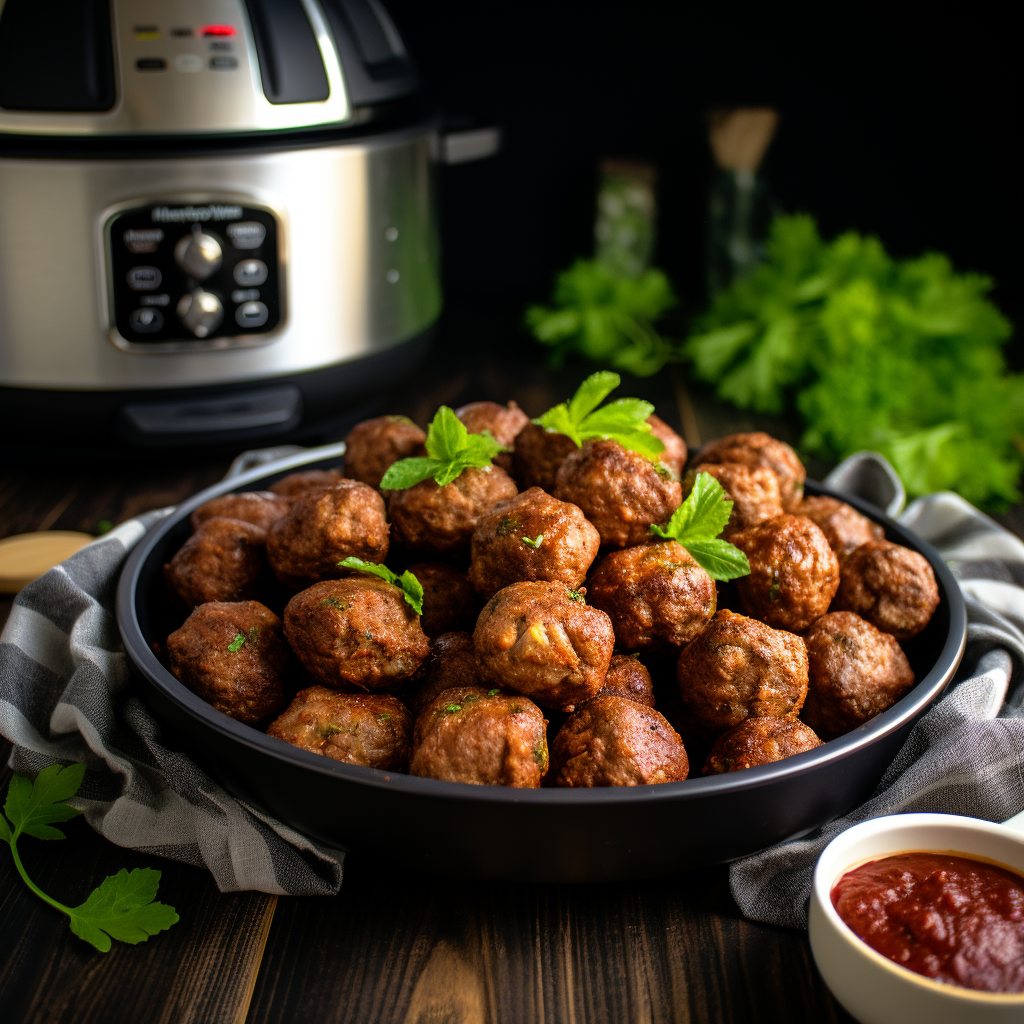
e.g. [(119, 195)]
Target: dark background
[(904, 130)]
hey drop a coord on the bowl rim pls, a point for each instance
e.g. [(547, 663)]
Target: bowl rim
[(144, 660), (822, 882)]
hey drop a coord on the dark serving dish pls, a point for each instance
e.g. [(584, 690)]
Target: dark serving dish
[(536, 835)]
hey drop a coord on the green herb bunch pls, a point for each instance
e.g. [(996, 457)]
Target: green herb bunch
[(903, 356), (412, 589)]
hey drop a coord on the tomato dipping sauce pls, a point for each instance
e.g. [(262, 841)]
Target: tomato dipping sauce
[(949, 918)]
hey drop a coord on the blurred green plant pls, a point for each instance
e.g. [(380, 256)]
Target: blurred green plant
[(903, 356)]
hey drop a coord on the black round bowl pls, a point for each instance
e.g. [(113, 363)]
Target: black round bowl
[(536, 835)]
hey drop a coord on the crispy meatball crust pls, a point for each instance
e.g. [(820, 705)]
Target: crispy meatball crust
[(295, 485), (844, 527), (360, 632), (891, 586), (759, 449), (246, 683), (261, 508), (627, 677), (503, 421), (674, 455), (614, 741), (794, 574), (224, 560), (619, 491), (754, 493), (371, 729), (450, 601), (325, 527), (441, 520), (568, 543), (656, 594), (740, 668), (470, 734), (451, 662), (537, 454), (537, 640), (372, 446), (757, 741), (856, 672)]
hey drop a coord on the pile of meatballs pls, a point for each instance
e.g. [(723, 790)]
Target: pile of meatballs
[(547, 607)]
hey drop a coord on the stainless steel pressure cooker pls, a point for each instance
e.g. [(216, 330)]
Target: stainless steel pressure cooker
[(216, 216)]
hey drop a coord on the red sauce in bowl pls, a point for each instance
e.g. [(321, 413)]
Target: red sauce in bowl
[(949, 918)]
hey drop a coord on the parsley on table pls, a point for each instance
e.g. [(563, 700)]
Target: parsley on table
[(122, 906), (411, 588), (697, 523)]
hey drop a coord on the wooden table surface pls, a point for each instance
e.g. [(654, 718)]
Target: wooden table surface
[(425, 950)]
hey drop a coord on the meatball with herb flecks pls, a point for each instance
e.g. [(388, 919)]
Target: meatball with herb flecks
[(371, 729), (891, 586), (503, 422), (480, 736), (615, 741), (372, 446), (542, 640), (531, 536), (451, 662), (740, 668), (856, 672), (759, 449), (674, 455), (261, 508), (450, 601), (359, 631), (794, 574), (627, 677), (325, 527), (844, 527), (441, 520), (537, 454), (757, 741), (296, 485), (754, 492), (622, 493), (657, 595), (233, 655), (224, 560)]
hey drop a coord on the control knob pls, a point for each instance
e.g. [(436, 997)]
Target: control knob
[(198, 254), (201, 312)]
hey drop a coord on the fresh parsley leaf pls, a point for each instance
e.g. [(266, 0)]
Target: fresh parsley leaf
[(32, 806), (591, 393), (719, 559), (494, 692), (412, 589), (236, 644), (533, 542), (577, 595)]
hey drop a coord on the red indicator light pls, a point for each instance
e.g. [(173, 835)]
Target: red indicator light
[(217, 30)]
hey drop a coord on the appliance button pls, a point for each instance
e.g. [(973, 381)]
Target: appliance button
[(250, 273), (247, 234), (143, 240), (200, 312), (252, 314), (144, 279), (146, 321), (188, 62), (198, 254), (151, 64), (223, 63)]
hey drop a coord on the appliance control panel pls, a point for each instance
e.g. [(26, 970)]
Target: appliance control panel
[(193, 272)]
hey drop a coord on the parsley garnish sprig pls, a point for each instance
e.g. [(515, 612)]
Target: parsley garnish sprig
[(122, 906), (451, 448), (697, 523), (412, 589), (624, 420)]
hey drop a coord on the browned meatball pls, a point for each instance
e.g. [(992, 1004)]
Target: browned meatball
[(740, 668), (759, 449), (451, 662), (503, 422), (358, 631), (372, 446), (234, 657), (757, 741), (844, 527), (469, 734), (441, 520), (656, 594), (614, 741), (325, 527), (674, 455), (532, 537), (627, 677), (371, 729), (450, 601), (261, 508), (794, 574), (856, 672), (891, 586), (295, 485), (224, 560), (536, 639), (620, 491), (754, 492), (537, 454)]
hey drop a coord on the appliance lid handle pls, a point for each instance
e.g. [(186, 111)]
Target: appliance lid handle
[(466, 146)]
